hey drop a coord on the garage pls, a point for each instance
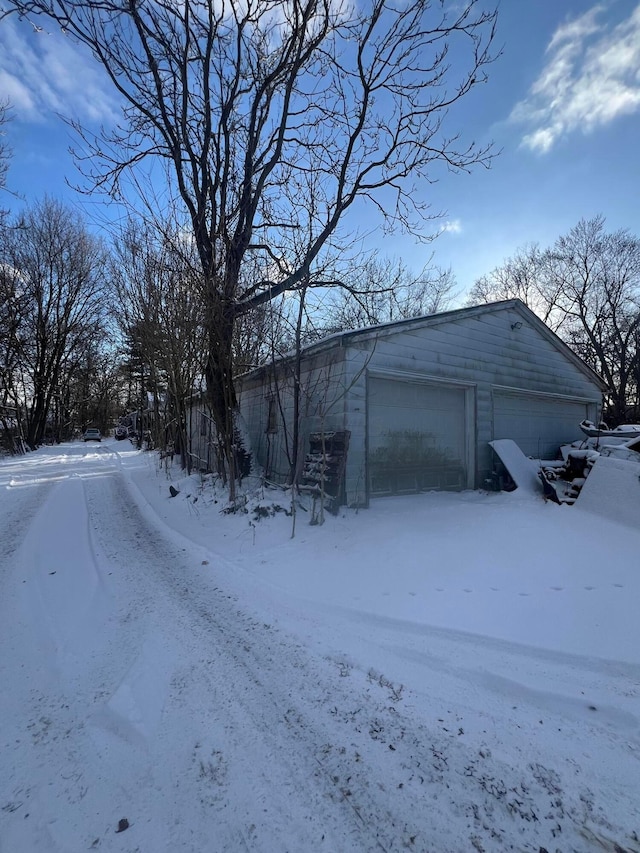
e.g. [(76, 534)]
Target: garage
[(422, 398), (417, 436), (538, 423)]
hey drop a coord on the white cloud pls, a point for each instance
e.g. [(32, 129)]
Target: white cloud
[(591, 78), (15, 92), (540, 140), (577, 29), (43, 73), (452, 226)]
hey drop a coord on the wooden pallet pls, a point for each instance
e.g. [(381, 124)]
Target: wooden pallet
[(324, 465)]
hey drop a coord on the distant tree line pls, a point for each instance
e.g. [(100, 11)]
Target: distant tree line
[(55, 369)]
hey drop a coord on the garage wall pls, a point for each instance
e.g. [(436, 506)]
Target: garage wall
[(487, 349), (517, 378), (266, 405), (538, 423)]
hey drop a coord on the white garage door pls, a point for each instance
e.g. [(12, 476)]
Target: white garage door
[(417, 437), (538, 424)]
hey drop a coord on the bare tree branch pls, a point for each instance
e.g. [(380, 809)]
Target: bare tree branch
[(586, 287)]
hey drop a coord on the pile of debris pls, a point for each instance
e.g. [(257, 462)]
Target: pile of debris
[(603, 468), (563, 481)]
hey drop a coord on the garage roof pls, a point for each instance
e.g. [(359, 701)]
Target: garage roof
[(342, 339)]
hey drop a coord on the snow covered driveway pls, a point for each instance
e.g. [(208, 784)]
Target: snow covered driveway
[(156, 687)]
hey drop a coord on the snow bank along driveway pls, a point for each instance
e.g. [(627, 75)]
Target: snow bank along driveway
[(195, 685)]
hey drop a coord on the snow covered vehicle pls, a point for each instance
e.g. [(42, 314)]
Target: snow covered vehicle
[(624, 431)]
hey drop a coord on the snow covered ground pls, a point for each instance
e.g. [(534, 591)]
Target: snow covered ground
[(437, 673)]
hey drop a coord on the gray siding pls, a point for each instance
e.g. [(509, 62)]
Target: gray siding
[(322, 403), (488, 350), (483, 351), (200, 435)]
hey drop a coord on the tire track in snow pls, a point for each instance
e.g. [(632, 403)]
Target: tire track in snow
[(34, 713), (65, 591), (250, 661), (211, 730), (18, 507), (342, 748), (247, 713)]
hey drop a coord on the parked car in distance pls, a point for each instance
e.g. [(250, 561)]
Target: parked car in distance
[(92, 434)]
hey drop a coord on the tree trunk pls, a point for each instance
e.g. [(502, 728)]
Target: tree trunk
[(221, 390)]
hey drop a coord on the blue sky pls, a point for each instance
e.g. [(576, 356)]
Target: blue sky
[(562, 104)]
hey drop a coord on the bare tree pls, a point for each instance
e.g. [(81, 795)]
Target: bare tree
[(586, 287), (294, 325), (594, 277), (241, 99), (5, 153), (383, 290), (519, 277), (91, 391), (12, 308), (160, 315), (53, 270), (11, 298)]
